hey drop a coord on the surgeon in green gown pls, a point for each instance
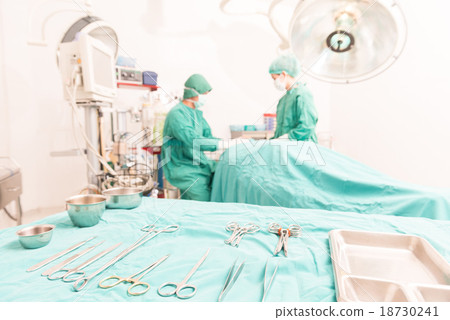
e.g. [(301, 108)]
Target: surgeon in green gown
[(296, 113), (186, 136)]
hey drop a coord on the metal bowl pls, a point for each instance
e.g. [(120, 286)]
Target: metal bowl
[(35, 236), (86, 210), (123, 198)]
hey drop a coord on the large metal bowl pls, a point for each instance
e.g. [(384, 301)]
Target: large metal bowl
[(123, 198), (35, 236), (86, 210)]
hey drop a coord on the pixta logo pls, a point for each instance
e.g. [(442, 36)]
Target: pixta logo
[(261, 152), (240, 152)]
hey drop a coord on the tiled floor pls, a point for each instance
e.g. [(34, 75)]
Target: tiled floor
[(28, 216)]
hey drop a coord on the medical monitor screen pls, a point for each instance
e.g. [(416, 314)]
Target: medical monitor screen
[(103, 71)]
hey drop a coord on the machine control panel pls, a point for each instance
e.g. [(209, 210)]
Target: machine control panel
[(128, 75)]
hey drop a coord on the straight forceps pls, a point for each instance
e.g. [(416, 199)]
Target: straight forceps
[(136, 282), (239, 232), (293, 230), (231, 279), (266, 287)]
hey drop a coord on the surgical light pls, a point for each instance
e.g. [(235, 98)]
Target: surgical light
[(345, 41)]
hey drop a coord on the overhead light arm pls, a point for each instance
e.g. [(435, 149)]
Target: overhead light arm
[(84, 8)]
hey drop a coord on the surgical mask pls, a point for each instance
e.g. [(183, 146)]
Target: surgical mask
[(200, 102), (201, 98), (279, 83)]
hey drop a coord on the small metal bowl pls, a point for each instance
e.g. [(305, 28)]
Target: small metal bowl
[(35, 236), (123, 198), (86, 210)]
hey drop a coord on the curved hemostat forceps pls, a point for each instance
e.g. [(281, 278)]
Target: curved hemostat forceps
[(231, 279), (135, 281), (293, 230), (239, 232), (266, 288)]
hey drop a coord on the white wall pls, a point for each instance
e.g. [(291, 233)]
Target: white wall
[(38, 120), (4, 123), (399, 121)]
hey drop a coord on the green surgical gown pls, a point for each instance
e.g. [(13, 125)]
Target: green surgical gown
[(186, 136), (297, 115)]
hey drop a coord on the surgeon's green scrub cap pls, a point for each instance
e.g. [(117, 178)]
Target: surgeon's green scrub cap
[(198, 83), (288, 63)]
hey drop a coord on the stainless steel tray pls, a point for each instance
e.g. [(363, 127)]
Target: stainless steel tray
[(379, 267)]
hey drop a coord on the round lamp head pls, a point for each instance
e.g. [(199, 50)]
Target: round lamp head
[(345, 41)]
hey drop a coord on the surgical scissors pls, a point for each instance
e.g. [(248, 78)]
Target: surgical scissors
[(239, 232), (66, 274), (135, 281), (178, 287), (293, 230), (81, 282), (148, 228)]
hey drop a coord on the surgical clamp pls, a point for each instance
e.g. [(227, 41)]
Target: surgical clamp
[(239, 232), (136, 282), (292, 231)]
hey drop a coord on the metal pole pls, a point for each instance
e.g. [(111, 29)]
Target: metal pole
[(91, 127), (122, 121), (19, 211)]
